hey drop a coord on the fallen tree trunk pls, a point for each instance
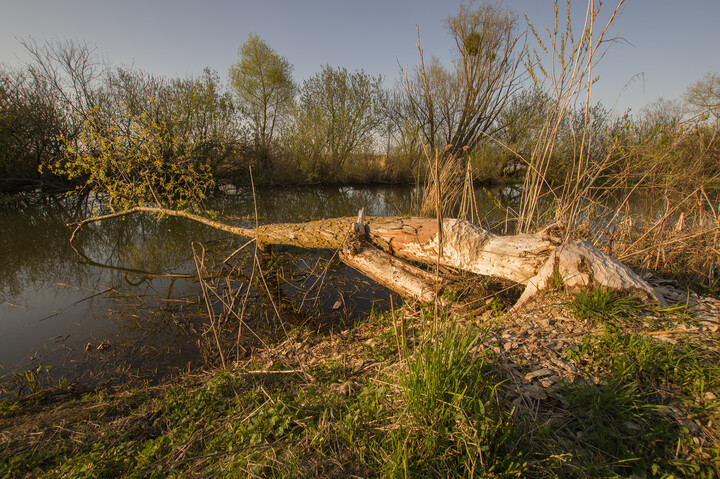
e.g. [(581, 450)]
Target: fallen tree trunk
[(405, 279), (377, 246)]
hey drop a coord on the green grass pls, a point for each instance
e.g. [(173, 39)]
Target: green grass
[(613, 430), (651, 364), (646, 413), (604, 305), (455, 419)]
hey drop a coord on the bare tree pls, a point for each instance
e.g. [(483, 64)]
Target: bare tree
[(703, 97), (457, 109), (74, 72)]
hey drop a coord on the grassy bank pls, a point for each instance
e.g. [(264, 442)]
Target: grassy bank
[(581, 384)]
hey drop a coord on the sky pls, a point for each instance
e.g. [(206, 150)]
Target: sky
[(663, 46)]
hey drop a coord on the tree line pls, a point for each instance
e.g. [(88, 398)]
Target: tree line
[(68, 117)]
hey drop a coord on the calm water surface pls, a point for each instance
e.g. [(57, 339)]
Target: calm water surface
[(117, 303), (124, 300)]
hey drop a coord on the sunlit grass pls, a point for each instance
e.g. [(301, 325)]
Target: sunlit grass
[(602, 304)]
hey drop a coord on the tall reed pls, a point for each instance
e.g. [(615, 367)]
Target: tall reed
[(675, 165), (563, 67)]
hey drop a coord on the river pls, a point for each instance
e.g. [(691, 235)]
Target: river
[(123, 301)]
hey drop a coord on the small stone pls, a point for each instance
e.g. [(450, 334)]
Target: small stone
[(631, 426), (564, 365)]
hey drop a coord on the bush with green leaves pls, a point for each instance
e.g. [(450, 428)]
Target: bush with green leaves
[(144, 163)]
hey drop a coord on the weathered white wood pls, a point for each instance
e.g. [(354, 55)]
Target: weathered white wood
[(467, 247), (397, 275), (579, 263)]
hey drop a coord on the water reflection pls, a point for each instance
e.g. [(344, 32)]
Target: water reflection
[(310, 203), (130, 299), (134, 287)]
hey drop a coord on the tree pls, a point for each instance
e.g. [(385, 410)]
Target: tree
[(703, 97), (194, 111), (519, 122), (460, 107), (147, 164), (263, 82), (379, 247), (30, 128), (659, 120), (73, 73), (338, 115), (197, 109)]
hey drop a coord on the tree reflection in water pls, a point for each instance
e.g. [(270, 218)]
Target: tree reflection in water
[(129, 304)]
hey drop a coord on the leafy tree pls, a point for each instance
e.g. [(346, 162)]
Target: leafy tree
[(263, 82), (198, 109), (338, 115), (703, 97), (150, 165), (192, 109), (67, 112)]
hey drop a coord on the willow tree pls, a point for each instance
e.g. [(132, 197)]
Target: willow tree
[(263, 83), (146, 163), (339, 114), (457, 108)]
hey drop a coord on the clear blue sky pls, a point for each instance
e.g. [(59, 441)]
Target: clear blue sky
[(667, 45)]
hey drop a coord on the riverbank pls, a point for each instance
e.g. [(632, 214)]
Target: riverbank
[(579, 384)]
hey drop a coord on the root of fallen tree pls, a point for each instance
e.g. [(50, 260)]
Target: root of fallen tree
[(379, 246)]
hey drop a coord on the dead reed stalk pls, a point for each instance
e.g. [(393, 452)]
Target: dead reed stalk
[(563, 67), (448, 189)]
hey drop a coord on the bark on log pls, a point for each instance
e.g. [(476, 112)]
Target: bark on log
[(528, 259), (397, 275)]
